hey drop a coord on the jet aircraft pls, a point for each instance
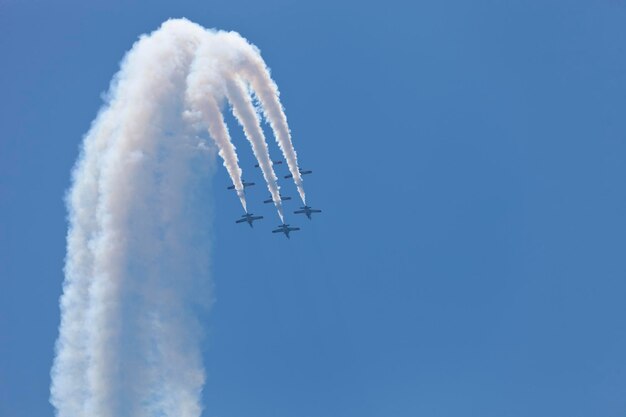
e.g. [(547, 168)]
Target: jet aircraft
[(284, 228), (277, 162), (302, 172), (282, 198), (244, 183), (307, 210), (249, 218)]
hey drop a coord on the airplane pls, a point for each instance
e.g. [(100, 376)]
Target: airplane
[(282, 198), (244, 183), (277, 162), (284, 228), (302, 172), (307, 210), (249, 218)]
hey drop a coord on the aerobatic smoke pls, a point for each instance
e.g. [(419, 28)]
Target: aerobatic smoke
[(254, 70), (136, 266), (244, 111)]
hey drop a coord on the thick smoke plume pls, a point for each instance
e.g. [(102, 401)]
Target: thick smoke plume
[(136, 268)]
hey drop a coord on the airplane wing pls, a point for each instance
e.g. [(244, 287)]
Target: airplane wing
[(232, 187), (241, 221), (293, 229), (315, 211), (277, 231), (299, 211), (289, 176), (257, 217)]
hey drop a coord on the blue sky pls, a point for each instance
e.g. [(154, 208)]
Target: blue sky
[(469, 159)]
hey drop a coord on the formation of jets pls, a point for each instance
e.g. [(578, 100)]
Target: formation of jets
[(284, 228)]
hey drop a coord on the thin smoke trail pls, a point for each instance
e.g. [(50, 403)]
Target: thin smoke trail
[(204, 96), (136, 265), (253, 69), (241, 62), (244, 111), (218, 130)]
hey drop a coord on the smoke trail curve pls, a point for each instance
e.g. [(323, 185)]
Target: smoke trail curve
[(136, 266), (255, 71)]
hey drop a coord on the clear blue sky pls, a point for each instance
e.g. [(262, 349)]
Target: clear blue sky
[(469, 159)]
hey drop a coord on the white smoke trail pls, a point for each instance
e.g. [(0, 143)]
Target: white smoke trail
[(219, 132), (230, 79), (252, 68), (137, 260), (205, 92), (113, 181), (244, 111)]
